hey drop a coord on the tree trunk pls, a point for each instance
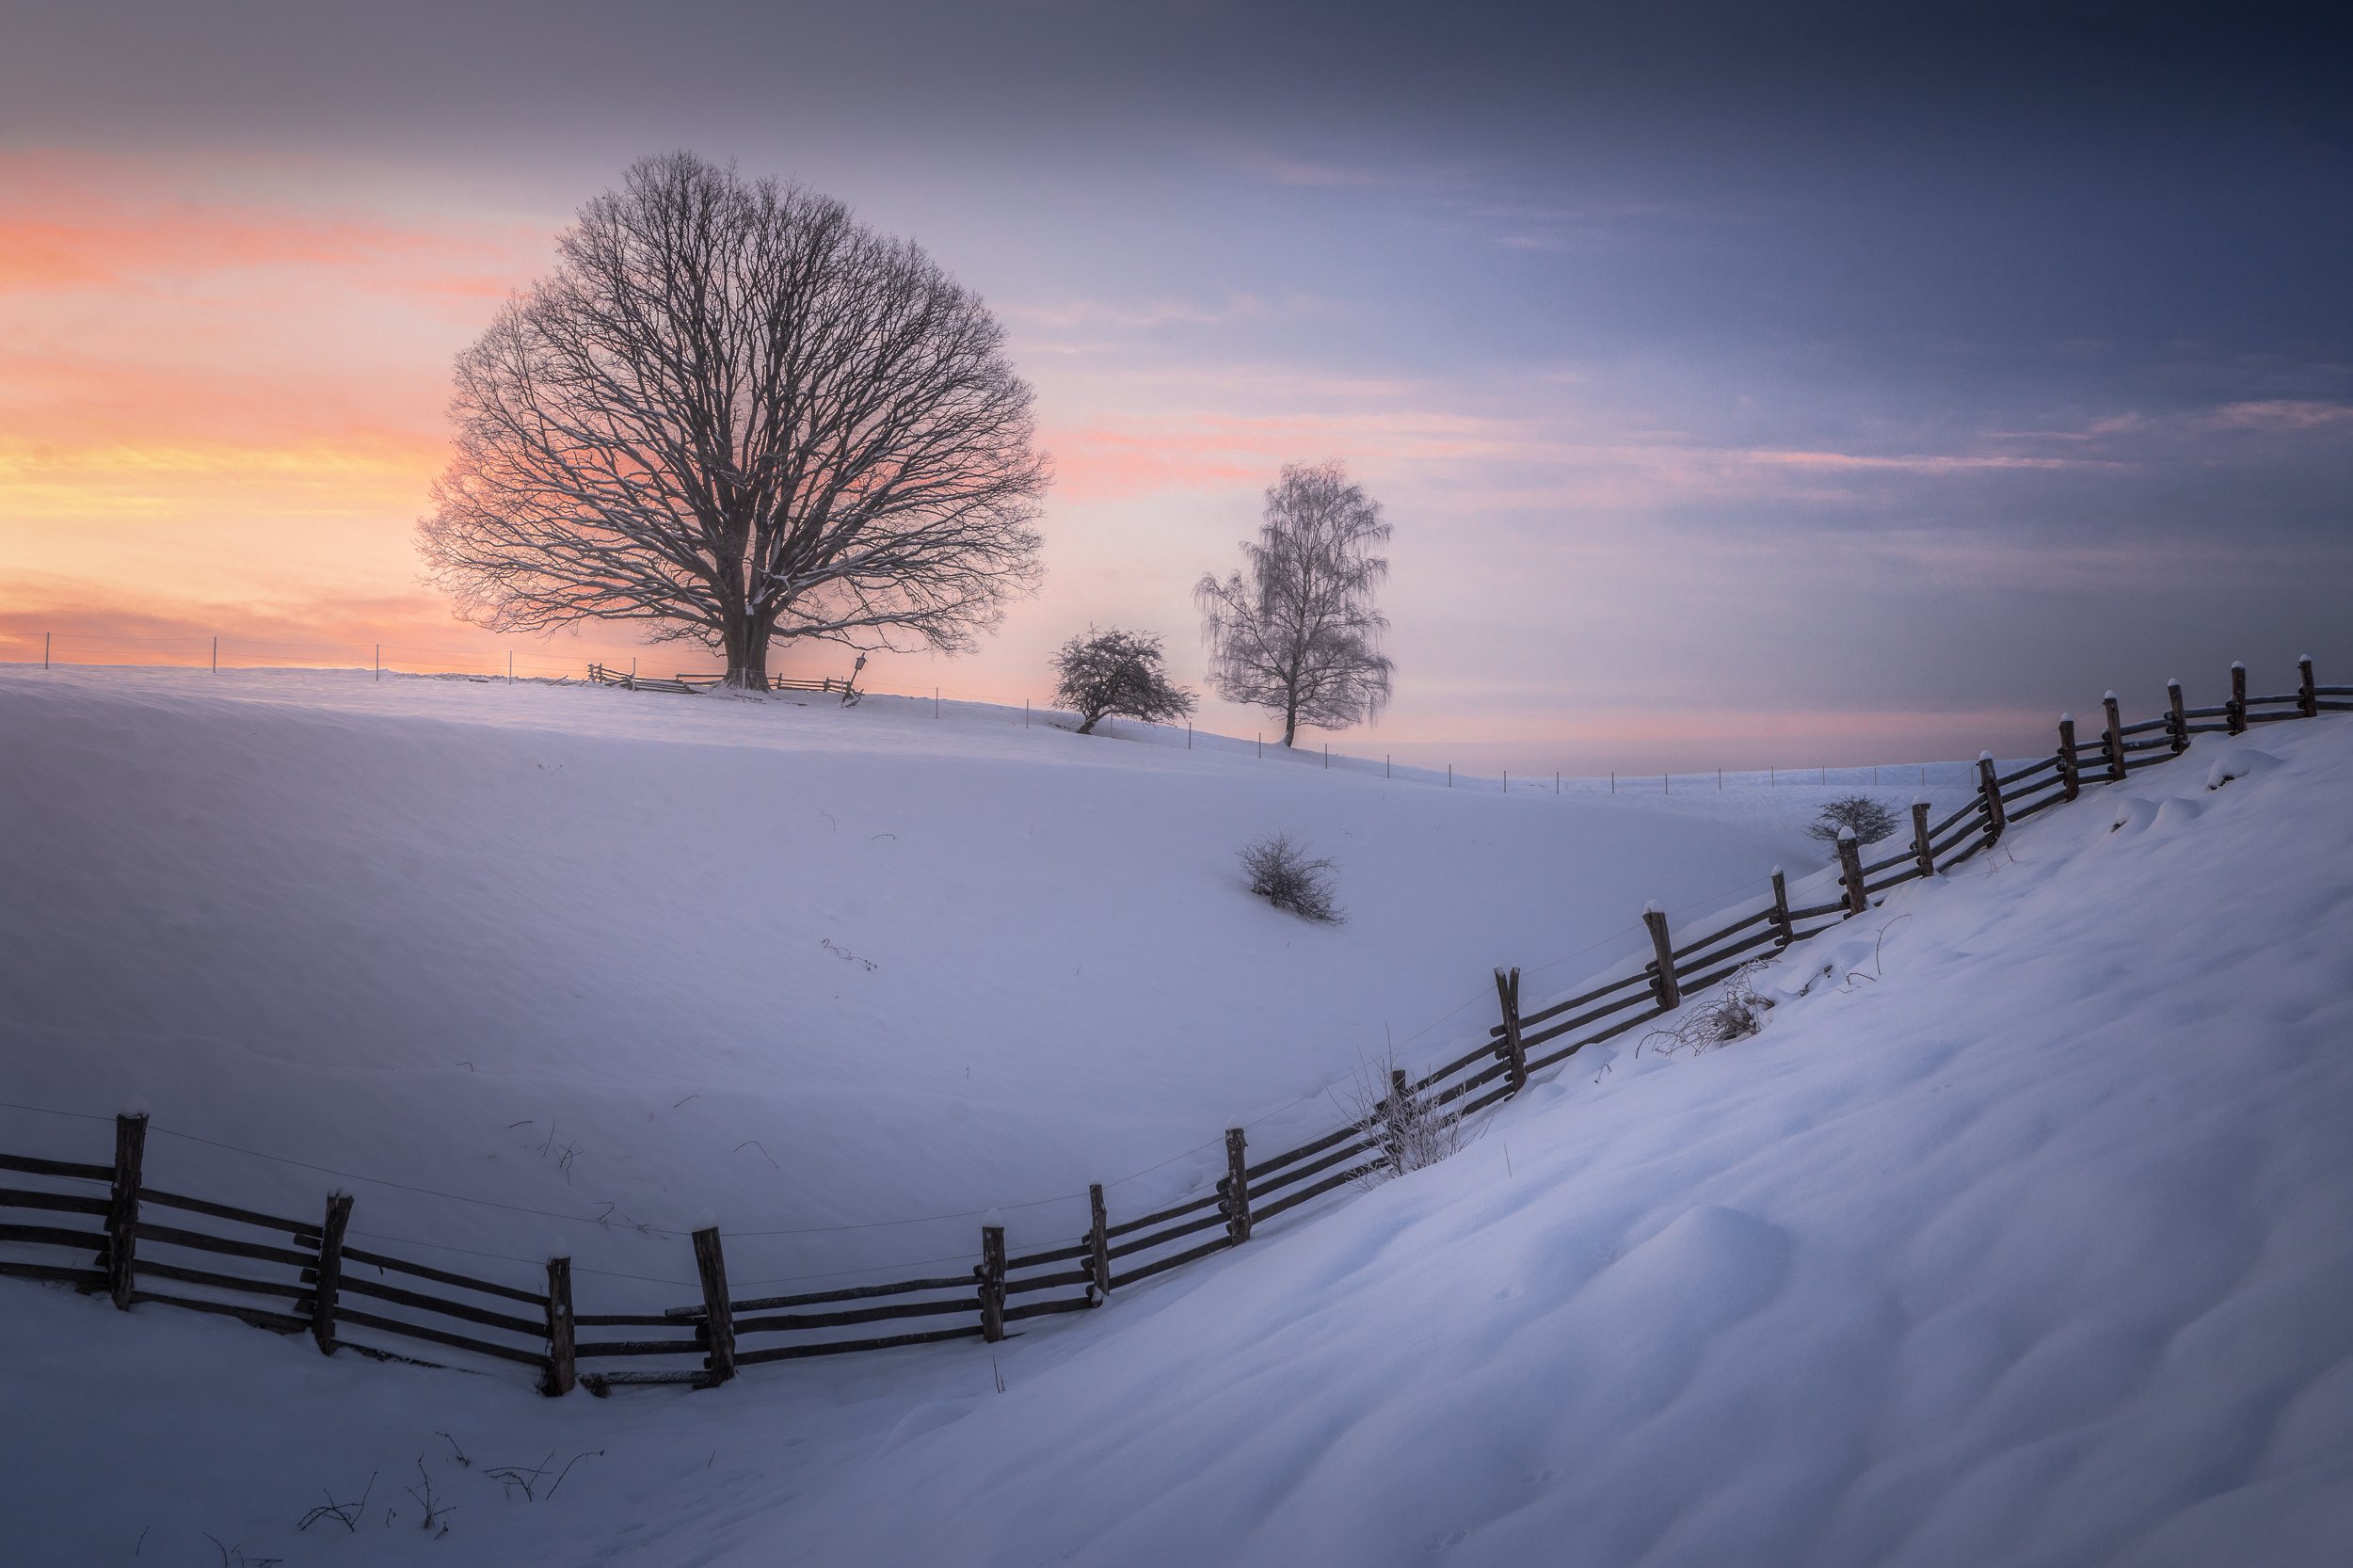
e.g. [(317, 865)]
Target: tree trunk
[(744, 639)]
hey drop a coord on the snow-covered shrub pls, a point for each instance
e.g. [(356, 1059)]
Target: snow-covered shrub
[(1283, 874), (1871, 821), (1102, 673), (1410, 1130), (1735, 1012)]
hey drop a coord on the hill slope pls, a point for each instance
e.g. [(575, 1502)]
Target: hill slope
[(800, 966), (2016, 1237)]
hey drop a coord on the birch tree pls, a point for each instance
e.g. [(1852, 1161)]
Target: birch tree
[(1295, 632), (733, 414)]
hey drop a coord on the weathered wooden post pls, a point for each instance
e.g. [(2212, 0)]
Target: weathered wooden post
[(1233, 1188), (1780, 909), (1922, 852), (2115, 741), (1851, 871), (563, 1359), (2306, 694), (992, 1272), (1663, 984), (122, 1206), (1099, 1241), (329, 1273), (2176, 719), (719, 1324), (2070, 776), (1989, 797), (2234, 711), (1514, 1055), (1395, 1117)]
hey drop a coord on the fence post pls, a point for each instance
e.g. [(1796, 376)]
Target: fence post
[(1099, 1241), (1234, 1186), (1851, 871), (1396, 1116), (329, 1274), (123, 1208), (1780, 909), (215, 655), (2115, 742), (1514, 1055), (2176, 720), (710, 1266), (563, 1362), (1989, 797), (992, 1272), (1920, 847), (2071, 777), (2234, 711), (2306, 694), (1663, 983)]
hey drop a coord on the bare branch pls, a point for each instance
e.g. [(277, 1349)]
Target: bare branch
[(733, 414)]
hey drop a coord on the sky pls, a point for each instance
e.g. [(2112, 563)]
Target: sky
[(1746, 386)]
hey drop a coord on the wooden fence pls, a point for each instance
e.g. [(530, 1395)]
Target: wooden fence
[(345, 1297), (630, 680)]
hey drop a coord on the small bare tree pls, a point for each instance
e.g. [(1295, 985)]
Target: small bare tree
[(1871, 820), (1102, 673), (732, 413), (1296, 633), (1287, 876)]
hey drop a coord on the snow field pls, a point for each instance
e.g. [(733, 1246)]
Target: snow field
[(589, 953), (2016, 1237)]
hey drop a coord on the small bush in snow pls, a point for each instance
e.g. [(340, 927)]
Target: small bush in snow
[(1871, 821), (1283, 874), (1410, 1130), (1102, 673), (1734, 1013)]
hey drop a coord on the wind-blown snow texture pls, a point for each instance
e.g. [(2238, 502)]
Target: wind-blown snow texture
[(2018, 1236)]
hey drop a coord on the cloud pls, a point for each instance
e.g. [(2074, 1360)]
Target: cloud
[(78, 221), (2291, 414)]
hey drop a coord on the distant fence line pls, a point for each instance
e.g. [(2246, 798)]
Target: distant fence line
[(326, 1289), (230, 654)]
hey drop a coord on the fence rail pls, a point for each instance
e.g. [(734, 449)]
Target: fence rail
[(690, 683), (310, 1282)]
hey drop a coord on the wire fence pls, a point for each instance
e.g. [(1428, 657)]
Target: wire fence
[(655, 671)]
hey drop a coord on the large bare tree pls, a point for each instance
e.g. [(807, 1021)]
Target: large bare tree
[(1296, 631), (735, 414)]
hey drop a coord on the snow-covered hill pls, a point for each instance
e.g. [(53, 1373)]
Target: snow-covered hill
[(799, 965), (2018, 1236)]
